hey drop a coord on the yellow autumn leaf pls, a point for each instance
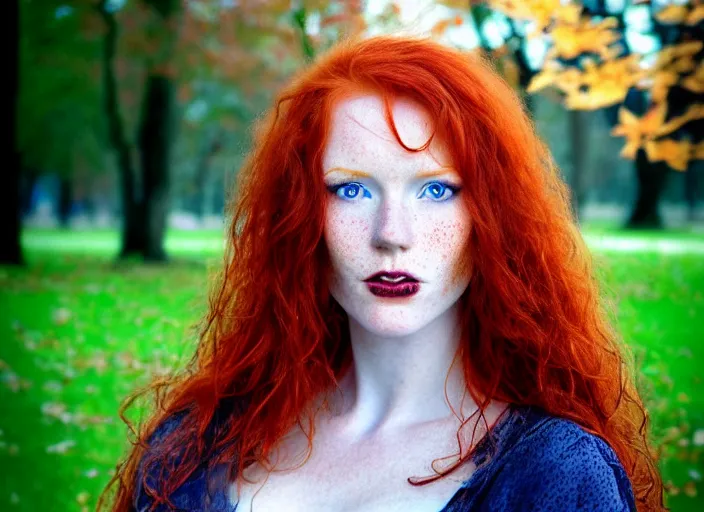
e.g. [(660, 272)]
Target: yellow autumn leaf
[(662, 81), (625, 72), (566, 43), (569, 81), (653, 119), (672, 52), (672, 14), (543, 79), (610, 52), (440, 27), (598, 96), (628, 128), (540, 12), (453, 4), (674, 153), (698, 151), (687, 48), (602, 85), (695, 81), (690, 489), (570, 13), (630, 149), (684, 64), (696, 15), (693, 112), (586, 37), (625, 118), (636, 129)]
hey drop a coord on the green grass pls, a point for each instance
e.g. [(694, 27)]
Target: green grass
[(80, 333)]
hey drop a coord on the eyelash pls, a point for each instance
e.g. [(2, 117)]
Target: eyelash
[(447, 186)]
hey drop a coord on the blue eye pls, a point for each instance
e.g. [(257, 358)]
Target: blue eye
[(439, 191), (349, 191)]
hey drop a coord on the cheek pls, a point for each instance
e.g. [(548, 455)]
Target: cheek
[(443, 244), (445, 239), (345, 237)]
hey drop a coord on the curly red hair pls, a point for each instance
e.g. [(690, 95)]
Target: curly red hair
[(535, 330)]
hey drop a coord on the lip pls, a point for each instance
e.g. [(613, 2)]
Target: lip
[(391, 290), (392, 274)]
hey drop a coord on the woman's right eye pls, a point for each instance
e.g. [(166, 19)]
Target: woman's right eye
[(350, 191)]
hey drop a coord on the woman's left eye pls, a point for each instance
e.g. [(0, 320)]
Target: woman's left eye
[(438, 191)]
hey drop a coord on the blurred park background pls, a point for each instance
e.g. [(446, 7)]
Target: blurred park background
[(132, 117)]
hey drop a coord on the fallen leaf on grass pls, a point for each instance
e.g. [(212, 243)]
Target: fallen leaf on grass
[(14, 382), (61, 316), (61, 448), (685, 352), (690, 489), (82, 498), (97, 361), (52, 386), (699, 437), (128, 361), (671, 489), (93, 288), (54, 409)]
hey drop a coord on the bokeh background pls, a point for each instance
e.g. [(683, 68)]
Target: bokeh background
[(132, 117)]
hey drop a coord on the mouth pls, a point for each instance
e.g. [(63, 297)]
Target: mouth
[(393, 277), (393, 284)]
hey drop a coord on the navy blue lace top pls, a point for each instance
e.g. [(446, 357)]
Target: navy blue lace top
[(537, 463)]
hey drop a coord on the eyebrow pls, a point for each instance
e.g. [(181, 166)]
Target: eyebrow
[(362, 174)]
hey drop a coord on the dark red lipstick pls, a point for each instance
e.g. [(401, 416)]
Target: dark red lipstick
[(392, 284)]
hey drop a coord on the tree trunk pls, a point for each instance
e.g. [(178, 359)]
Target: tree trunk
[(578, 127), (65, 201), (156, 133), (10, 227), (691, 190), (154, 144), (199, 204), (28, 180), (132, 237), (651, 182)]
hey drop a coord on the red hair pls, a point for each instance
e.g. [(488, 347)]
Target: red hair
[(534, 328)]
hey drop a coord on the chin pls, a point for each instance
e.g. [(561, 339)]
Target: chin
[(384, 324)]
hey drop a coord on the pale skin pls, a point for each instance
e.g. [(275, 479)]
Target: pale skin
[(396, 408)]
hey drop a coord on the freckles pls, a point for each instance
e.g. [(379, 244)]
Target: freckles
[(444, 236), (443, 242), (346, 238)]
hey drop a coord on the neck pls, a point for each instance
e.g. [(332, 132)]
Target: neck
[(402, 381)]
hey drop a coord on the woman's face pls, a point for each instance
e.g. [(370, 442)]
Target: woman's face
[(391, 210)]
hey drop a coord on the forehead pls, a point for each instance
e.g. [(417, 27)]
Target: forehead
[(360, 137)]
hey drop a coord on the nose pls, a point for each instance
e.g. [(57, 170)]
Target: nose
[(393, 227)]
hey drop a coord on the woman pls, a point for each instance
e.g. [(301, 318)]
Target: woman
[(407, 318)]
